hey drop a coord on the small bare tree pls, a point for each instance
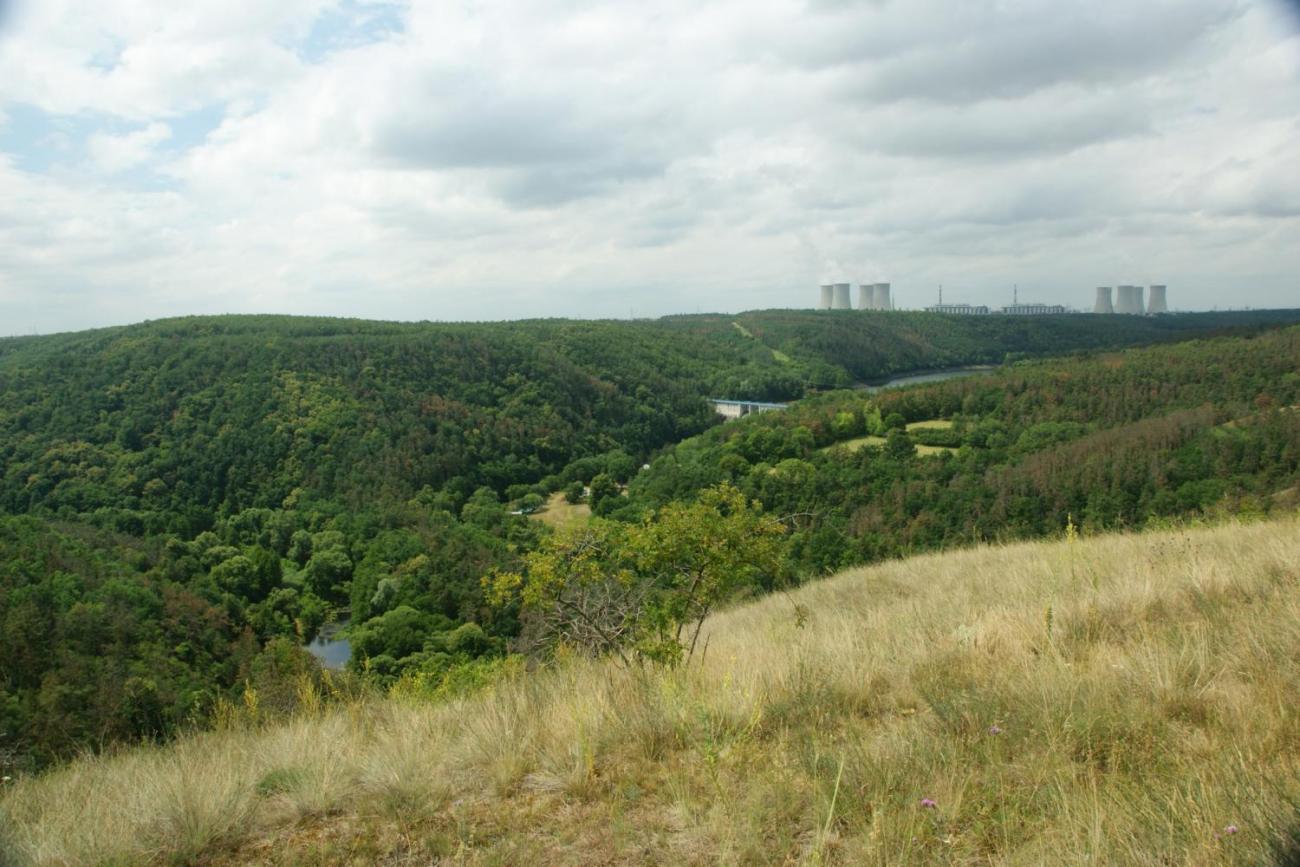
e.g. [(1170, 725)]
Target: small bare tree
[(643, 590)]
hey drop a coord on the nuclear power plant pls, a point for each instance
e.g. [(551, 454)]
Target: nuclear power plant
[(876, 296), (1156, 301), (1129, 300), (1103, 304), (871, 296), (880, 292)]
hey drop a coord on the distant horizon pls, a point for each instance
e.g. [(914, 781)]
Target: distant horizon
[(410, 159), (994, 310)]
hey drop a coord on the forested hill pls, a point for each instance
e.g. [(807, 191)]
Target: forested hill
[(869, 346), (176, 421), (163, 426), (184, 502)]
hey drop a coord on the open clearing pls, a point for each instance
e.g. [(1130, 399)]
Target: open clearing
[(861, 442), (854, 444), (932, 424), (559, 512)]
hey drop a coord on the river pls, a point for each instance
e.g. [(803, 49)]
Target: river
[(333, 652), (921, 376)]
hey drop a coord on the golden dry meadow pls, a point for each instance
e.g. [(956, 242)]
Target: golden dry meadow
[(1124, 699)]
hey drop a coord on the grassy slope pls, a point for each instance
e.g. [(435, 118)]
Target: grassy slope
[(1144, 688)]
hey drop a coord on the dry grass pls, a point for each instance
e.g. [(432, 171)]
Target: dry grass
[(1119, 700), (559, 512)]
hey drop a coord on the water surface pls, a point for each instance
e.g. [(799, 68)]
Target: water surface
[(330, 648), (918, 377)]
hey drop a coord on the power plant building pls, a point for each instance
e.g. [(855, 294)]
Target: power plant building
[(880, 297), (1129, 300), (1156, 302), (1103, 304), (866, 297), (828, 292), (959, 309), (1034, 309), (842, 300)]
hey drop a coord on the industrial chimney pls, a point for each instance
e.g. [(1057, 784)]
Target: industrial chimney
[(1157, 303), (881, 294), (1103, 304), (842, 300), (864, 296), (827, 291), (1129, 300)]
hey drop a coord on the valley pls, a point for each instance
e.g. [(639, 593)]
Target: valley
[(529, 512)]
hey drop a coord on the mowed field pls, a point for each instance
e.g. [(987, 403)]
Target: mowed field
[(1125, 699)]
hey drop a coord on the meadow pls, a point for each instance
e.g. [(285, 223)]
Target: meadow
[(1118, 699)]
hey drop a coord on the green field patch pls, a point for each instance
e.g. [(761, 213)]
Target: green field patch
[(932, 424), (862, 442), (854, 444), (559, 512)]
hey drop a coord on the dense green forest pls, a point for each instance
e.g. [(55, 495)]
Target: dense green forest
[(1109, 441), (869, 346), (183, 503)]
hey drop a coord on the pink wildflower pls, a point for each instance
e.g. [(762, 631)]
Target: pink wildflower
[(928, 803)]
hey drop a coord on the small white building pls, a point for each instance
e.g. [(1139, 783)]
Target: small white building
[(1035, 309), (959, 309)]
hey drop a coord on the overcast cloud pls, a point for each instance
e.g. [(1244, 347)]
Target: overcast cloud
[(434, 160)]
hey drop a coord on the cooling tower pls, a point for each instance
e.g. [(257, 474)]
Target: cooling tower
[(842, 301), (1156, 303), (866, 298), (880, 292), (1129, 300), (1103, 304), (827, 291)]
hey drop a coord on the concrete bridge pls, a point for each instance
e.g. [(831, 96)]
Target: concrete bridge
[(739, 408)]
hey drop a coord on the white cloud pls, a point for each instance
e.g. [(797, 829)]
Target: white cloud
[(142, 59), (115, 153), (573, 157)]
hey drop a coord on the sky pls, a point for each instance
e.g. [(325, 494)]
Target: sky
[(454, 159)]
